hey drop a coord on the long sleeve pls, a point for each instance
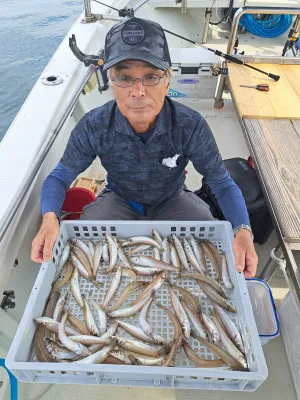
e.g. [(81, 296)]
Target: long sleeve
[(54, 189), (78, 155), (230, 200)]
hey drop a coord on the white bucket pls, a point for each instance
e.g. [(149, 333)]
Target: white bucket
[(264, 309)]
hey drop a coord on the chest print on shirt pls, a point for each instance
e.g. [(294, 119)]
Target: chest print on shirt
[(170, 161)]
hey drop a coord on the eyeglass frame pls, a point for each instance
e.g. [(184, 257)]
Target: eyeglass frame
[(133, 80)]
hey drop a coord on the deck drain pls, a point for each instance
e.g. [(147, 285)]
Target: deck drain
[(52, 80)]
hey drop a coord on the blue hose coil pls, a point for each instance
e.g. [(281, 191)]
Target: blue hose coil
[(271, 26)]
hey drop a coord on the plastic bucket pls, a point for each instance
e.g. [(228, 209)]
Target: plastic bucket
[(264, 309)]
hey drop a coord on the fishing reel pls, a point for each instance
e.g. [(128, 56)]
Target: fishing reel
[(97, 61), (217, 69)]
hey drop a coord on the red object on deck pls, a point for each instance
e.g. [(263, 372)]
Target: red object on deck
[(250, 162), (76, 198)]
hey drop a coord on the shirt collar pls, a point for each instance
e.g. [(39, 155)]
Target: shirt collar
[(162, 124)]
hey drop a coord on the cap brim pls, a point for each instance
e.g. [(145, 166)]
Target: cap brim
[(163, 65)]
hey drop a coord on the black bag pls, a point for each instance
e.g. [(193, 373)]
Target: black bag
[(245, 177)]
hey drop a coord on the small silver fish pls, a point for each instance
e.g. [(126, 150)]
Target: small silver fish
[(113, 252), (89, 318), (156, 254), (105, 254), (191, 256), (114, 284), (181, 253), (146, 327), (58, 352), (136, 332), (195, 320), (180, 314), (77, 348), (139, 249), (231, 328), (101, 315), (229, 346), (59, 307), (174, 257), (211, 328), (156, 237), (225, 273), (89, 339), (141, 240), (197, 251), (99, 356), (136, 346), (129, 311), (75, 288), (53, 326), (121, 253), (83, 247), (166, 257), (97, 257), (63, 260), (91, 248), (147, 261)]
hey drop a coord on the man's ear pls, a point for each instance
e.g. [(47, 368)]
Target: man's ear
[(167, 87)]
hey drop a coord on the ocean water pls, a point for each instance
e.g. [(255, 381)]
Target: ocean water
[(30, 32)]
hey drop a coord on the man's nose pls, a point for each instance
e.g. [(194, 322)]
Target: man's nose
[(138, 89)]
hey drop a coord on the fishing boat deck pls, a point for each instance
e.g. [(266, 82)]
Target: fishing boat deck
[(228, 133)]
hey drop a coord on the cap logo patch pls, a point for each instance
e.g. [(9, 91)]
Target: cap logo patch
[(133, 33)]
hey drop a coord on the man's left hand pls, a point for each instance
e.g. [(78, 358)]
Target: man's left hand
[(245, 255)]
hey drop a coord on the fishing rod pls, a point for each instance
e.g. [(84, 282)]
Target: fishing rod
[(226, 56), (130, 13)]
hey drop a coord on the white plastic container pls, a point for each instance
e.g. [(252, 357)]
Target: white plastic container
[(183, 374), (264, 309)]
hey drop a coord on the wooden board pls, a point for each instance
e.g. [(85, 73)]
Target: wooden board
[(276, 144), (283, 99)]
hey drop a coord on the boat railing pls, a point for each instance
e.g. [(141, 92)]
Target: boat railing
[(232, 37)]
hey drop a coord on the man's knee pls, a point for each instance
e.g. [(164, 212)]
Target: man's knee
[(186, 206), (108, 206)]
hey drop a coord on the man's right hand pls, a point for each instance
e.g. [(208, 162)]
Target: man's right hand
[(42, 244)]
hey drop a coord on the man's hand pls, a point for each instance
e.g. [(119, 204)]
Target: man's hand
[(245, 255), (42, 244)]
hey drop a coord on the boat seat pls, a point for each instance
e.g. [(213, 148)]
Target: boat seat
[(276, 147)]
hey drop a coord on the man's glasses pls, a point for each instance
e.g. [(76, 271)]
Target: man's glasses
[(146, 80)]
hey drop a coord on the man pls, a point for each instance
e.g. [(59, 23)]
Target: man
[(144, 141)]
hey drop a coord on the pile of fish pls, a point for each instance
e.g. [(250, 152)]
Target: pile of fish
[(62, 337)]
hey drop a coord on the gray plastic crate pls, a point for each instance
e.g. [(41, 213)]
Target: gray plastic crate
[(183, 374)]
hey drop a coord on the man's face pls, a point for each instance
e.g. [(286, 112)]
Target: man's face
[(138, 103)]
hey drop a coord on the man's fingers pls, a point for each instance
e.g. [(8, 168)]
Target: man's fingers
[(251, 267), (239, 267), (48, 246), (37, 250), (240, 261)]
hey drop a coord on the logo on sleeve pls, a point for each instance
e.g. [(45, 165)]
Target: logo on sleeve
[(133, 33)]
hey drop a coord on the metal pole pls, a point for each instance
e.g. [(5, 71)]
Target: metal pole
[(234, 27), (206, 25), (271, 266), (9, 215), (88, 11), (183, 6), (139, 5)]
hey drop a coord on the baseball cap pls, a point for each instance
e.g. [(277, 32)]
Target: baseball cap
[(138, 39)]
